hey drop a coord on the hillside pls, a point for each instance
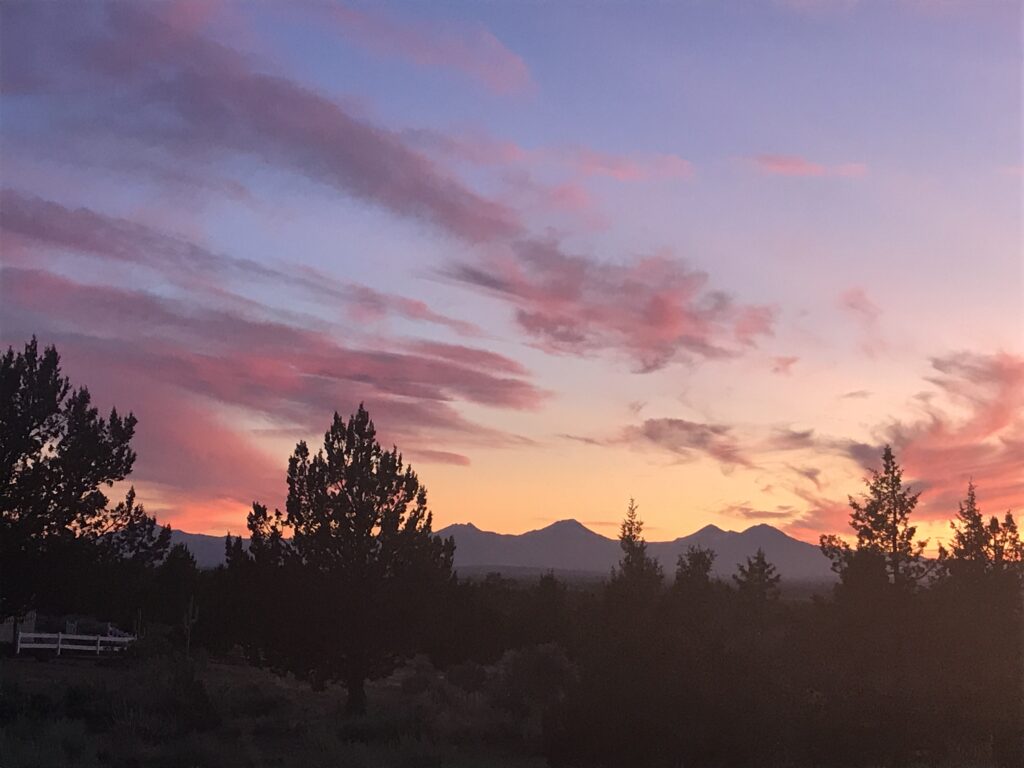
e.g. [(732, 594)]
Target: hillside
[(569, 546)]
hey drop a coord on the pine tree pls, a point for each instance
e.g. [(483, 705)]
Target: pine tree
[(57, 454), (635, 566), (881, 522), (1007, 548), (980, 547), (362, 542), (693, 567), (971, 538), (758, 579)]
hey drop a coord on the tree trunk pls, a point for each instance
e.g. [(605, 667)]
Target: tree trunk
[(355, 703)]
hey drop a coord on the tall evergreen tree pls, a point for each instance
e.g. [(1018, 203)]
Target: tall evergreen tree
[(693, 567), (56, 456), (981, 546), (758, 579), (635, 565), (881, 522), (362, 540)]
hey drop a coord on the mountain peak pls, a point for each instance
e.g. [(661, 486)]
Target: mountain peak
[(709, 528), (569, 524), (563, 529), (764, 528), (469, 527)]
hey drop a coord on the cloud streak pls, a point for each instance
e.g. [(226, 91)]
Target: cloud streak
[(796, 166), (471, 51), (200, 376), (196, 95), (653, 311)]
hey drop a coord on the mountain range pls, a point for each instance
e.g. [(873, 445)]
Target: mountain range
[(570, 547)]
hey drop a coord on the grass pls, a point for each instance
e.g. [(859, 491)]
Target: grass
[(168, 713)]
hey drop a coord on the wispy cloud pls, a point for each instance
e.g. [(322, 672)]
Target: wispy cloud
[(653, 311), (856, 394), (36, 227), (750, 512), (857, 304), (470, 50), (688, 440), (189, 361), (783, 365), (794, 165), (204, 97)]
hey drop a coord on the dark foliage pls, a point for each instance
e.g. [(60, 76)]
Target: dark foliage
[(908, 662), (62, 547), (361, 562)]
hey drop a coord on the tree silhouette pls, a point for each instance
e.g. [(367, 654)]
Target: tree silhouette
[(881, 521), (758, 579), (362, 540), (693, 568), (635, 566), (56, 454), (980, 546)]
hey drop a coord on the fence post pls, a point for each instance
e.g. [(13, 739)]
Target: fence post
[(97, 645), (60, 637), (17, 639)]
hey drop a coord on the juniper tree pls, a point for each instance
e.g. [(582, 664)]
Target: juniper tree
[(361, 547), (57, 454)]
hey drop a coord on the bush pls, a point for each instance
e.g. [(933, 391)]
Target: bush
[(468, 676), (30, 743)]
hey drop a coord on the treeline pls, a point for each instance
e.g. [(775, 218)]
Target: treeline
[(911, 661)]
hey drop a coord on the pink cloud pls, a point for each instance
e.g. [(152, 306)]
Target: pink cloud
[(207, 98), (749, 512), (794, 165), (973, 431), (589, 162), (981, 438), (470, 356), (289, 373), (856, 302), (687, 440), (469, 50), (480, 149), (428, 456), (653, 310), (782, 365), (39, 226), (178, 364)]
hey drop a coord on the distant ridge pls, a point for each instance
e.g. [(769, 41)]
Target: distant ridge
[(207, 550), (569, 546)]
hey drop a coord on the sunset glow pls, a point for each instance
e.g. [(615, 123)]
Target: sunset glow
[(713, 256)]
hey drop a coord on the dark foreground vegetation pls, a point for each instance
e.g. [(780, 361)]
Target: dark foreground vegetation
[(342, 637)]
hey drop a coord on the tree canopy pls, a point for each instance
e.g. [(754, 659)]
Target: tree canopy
[(57, 457), (360, 537), (880, 519)]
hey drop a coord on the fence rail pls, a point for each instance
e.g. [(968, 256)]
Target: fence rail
[(60, 641)]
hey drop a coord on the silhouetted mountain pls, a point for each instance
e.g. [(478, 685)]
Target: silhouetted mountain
[(565, 545), (569, 546), (207, 550)]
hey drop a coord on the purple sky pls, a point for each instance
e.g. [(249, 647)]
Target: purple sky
[(710, 255)]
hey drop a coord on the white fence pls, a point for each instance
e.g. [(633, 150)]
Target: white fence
[(59, 641)]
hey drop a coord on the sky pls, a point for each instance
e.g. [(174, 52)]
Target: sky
[(710, 255)]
